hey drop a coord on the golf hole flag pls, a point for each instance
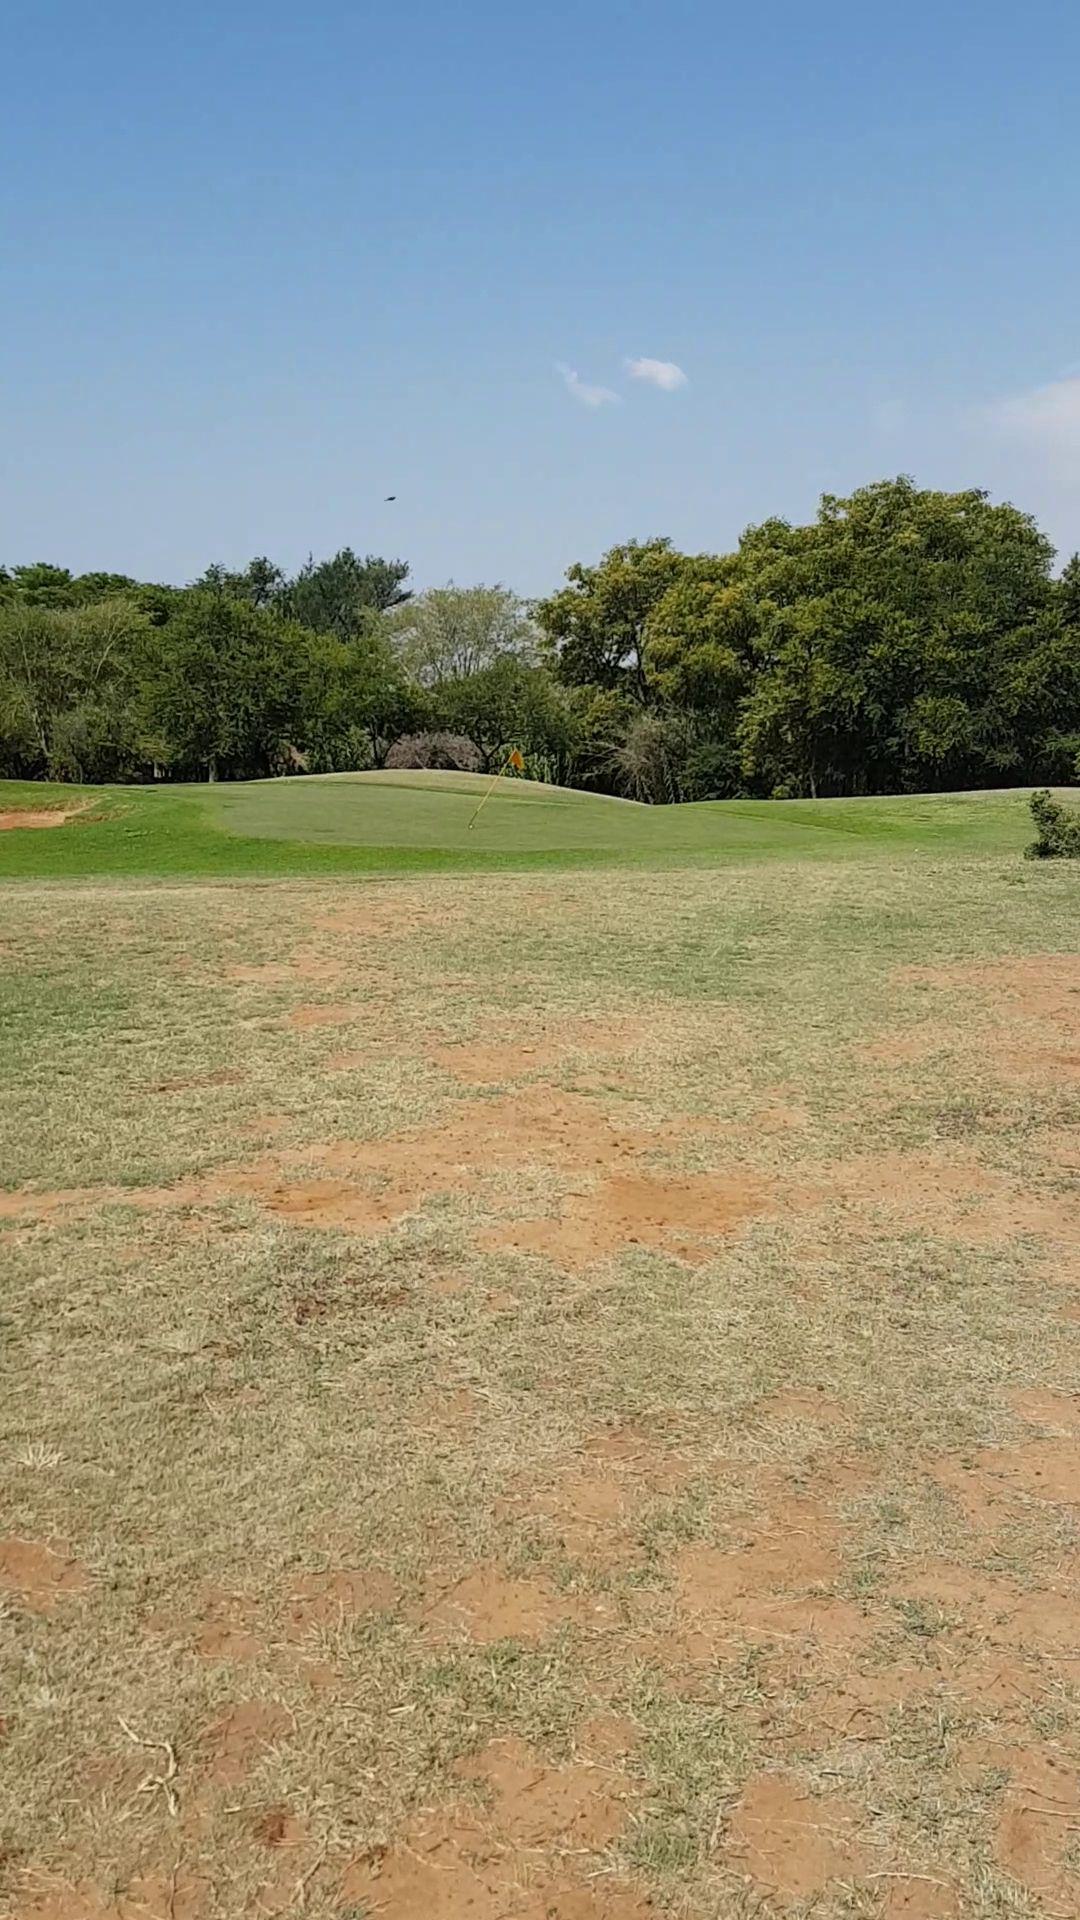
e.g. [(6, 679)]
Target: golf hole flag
[(513, 760)]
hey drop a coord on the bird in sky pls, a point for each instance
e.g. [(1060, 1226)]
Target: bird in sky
[(391, 496)]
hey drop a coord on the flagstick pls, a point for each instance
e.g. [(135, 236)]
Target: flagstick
[(508, 761)]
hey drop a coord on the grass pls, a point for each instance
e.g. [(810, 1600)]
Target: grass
[(417, 822), (412, 1508)]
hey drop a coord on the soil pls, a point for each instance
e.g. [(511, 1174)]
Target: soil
[(791, 1845), (236, 1741), (327, 1599), (182, 1896), (984, 1613), (674, 1215), (486, 1606), (16, 817), (535, 1805), (995, 1483), (224, 1630), (40, 1575), (324, 1014), (536, 1050), (797, 1550), (1038, 1819), (504, 1856)]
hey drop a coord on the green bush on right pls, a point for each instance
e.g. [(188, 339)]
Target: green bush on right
[(1057, 829)]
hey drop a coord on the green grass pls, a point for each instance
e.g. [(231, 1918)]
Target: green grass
[(417, 822)]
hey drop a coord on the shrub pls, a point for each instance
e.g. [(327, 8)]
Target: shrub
[(1057, 830), (449, 751)]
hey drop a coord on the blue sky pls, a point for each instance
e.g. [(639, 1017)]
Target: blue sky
[(264, 264)]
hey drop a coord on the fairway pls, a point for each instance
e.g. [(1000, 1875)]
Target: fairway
[(541, 1393)]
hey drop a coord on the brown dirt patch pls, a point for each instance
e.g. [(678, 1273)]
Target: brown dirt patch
[(14, 817), (1040, 991), (486, 1605), (811, 1622), (322, 1202), (780, 1561), (535, 1050), (1047, 1407), (919, 1897), (316, 967), (492, 1063), (387, 912), (905, 1049), (779, 1118), (997, 1482), (328, 1599), (764, 1589), (1043, 985), (368, 1183), (789, 1843), (860, 1705), (590, 1513), (594, 1503), (987, 1614), (502, 1858), (225, 1630), (26, 1203), (240, 1737), (1038, 1821), (40, 1575), (182, 1896), (534, 1805), (958, 1196), (674, 1215), (277, 1827), (605, 1737), (449, 1869), (324, 1014)]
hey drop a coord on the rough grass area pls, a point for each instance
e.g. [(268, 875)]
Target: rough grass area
[(427, 822), (543, 1399)]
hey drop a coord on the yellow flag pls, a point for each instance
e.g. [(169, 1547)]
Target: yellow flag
[(515, 760)]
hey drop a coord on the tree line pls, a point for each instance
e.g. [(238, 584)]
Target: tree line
[(905, 640)]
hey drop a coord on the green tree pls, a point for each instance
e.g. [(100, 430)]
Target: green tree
[(450, 632), (509, 703), (39, 585), (890, 632), (261, 583), (225, 693), (340, 595), (68, 682), (1069, 592), (355, 701), (595, 628)]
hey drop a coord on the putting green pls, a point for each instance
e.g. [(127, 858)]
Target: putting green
[(380, 822)]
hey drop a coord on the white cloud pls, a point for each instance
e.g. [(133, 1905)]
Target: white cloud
[(659, 373), (1047, 418), (588, 396)]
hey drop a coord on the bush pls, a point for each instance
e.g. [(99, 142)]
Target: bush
[(451, 752), (1057, 830)]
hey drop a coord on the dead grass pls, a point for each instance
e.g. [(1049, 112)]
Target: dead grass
[(607, 1440)]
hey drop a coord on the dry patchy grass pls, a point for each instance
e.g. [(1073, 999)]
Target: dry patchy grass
[(543, 1411)]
